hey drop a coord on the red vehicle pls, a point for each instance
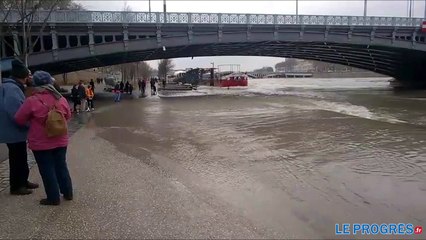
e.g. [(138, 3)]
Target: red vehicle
[(234, 80)]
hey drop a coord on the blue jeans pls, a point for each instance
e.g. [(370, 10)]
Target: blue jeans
[(117, 96), (54, 172)]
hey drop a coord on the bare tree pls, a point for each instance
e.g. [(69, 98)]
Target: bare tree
[(126, 8), (164, 67), (145, 70), (19, 15)]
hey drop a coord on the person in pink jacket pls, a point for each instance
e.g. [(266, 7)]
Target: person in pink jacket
[(49, 152)]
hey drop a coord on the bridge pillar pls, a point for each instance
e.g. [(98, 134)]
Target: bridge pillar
[(158, 35), (54, 42), (413, 38), (41, 43), (248, 32), (394, 35), (78, 41), (276, 34), (30, 44), (3, 54), (15, 44), (350, 32), (220, 33), (302, 32), (190, 34), (67, 39), (3, 47), (91, 39), (372, 34), (327, 29), (125, 37)]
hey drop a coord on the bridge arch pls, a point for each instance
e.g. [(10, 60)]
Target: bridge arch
[(377, 58), (387, 46)]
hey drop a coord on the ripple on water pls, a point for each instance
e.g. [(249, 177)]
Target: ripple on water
[(387, 163)]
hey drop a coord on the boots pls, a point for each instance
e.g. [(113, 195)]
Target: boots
[(21, 191), (31, 185), (47, 202)]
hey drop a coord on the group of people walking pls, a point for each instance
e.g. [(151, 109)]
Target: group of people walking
[(83, 96), (41, 120), (121, 88), (142, 86)]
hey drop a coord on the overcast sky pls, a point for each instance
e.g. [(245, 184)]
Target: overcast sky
[(308, 7)]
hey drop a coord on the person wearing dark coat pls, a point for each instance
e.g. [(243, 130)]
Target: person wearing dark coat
[(130, 88), (92, 83), (117, 91), (75, 97), (11, 99), (82, 95), (126, 87), (153, 87), (143, 86), (121, 86)]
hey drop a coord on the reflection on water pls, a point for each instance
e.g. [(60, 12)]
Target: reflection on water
[(289, 153)]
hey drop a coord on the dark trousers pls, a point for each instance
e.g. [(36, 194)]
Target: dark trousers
[(53, 169), (90, 103), (18, 165), (77, 104)]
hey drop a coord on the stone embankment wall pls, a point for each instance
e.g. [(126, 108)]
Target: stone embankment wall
[(75, 77)]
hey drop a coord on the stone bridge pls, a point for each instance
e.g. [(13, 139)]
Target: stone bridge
[(75, 40)]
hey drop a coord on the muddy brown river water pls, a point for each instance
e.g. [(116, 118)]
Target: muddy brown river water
[(294, 156)]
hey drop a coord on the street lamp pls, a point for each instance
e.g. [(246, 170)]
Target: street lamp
[(149, 9), (425, 11), (164, 8), (365, 8), (297, 8)]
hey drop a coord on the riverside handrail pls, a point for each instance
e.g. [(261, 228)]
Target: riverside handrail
[(65, 16)]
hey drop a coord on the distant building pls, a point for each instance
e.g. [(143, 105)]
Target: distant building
[(304, 66)]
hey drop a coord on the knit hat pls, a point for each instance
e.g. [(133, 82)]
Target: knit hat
[(41, 78), (19, 70)]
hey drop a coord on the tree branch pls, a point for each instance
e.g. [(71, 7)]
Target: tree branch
[(2, 7), (11, 46)]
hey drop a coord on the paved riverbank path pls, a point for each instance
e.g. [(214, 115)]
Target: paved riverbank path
[(117, 196)]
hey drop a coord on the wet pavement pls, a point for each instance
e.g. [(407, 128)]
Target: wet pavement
[(3, 152), (103, 99)]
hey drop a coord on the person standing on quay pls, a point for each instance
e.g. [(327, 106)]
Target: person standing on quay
[(121, 86), (143, 85), (153, 87), (49, 150), (75, 98), (126, 87), (130, 89), (82, 95), (90, 95), (117, 91), (15, 136), (92, 83)]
